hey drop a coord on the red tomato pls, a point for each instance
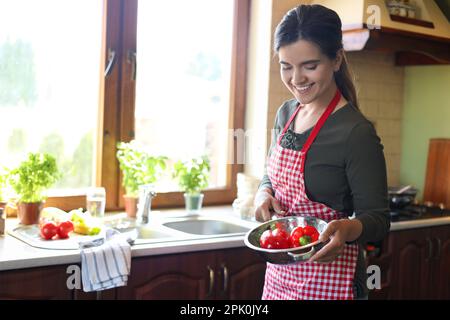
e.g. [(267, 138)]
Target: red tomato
[(296, 234), (48, 230), (281, 239), (267, 240), (64, 229), (311, 232)]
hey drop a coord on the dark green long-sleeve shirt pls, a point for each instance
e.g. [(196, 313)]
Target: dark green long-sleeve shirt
[(345, 169)]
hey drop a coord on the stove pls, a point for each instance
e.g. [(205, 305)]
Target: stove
[(417, 212)]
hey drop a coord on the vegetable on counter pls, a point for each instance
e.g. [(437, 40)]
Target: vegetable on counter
[(84, 223), (57, 224)]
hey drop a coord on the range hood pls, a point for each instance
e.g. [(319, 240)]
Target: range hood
[(419, 40)]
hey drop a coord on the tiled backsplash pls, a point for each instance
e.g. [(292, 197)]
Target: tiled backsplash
[(380, 91)]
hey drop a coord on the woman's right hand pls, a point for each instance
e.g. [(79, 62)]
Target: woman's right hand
[(266, 205)]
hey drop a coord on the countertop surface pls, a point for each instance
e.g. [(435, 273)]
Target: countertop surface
[(16, 254)]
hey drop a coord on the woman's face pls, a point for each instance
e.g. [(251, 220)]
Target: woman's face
[(308, 73)]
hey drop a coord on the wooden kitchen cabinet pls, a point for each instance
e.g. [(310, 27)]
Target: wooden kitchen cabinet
[(440, 287), (36, 283), (415, 264), (186, 276), (240, 274), (234, 273)]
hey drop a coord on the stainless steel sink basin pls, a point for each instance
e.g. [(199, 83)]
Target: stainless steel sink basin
[(206, 227), (140, 232)]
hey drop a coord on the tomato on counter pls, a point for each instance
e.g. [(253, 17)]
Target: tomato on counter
[(64, 229), (48, 230)]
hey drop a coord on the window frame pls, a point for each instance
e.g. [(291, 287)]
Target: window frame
[(117, 106)]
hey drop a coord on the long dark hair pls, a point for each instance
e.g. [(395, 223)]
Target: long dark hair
[(321, 26)]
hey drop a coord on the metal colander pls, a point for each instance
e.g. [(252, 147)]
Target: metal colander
[(291, 255)]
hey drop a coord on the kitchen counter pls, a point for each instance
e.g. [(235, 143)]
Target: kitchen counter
[(15, 254)]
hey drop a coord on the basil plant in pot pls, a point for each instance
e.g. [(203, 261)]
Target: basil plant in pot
[(138, 168), (30, 180), (193, 177)]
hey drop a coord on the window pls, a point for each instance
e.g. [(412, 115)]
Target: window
[(176, 83), (188, 92), (49, 84), (183, 82)]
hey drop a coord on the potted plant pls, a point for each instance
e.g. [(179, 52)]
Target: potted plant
[(193, 177), (138, 168), (30, 180)]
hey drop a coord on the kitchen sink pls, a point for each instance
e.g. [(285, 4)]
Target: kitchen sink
[(206, 227), (141, 233)]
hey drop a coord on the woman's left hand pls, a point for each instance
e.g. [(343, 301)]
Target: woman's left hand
[(339, 232)]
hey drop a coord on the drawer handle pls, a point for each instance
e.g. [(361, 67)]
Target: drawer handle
[(211, 281), (225, 278)]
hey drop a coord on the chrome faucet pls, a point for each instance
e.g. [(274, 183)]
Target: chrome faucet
[(146, 194)]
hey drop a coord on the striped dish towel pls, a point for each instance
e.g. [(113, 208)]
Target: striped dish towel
[(105, 265)]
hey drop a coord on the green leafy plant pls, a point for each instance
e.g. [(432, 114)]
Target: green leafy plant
[(192, 175), (34, 176), (138, 167)]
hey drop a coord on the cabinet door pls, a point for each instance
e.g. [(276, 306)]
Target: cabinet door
[(440, 288), (35, 283), (240, 274), (412, 251), (176, 276), (384, 260)]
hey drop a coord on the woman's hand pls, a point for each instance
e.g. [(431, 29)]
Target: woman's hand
[(265, 202), (340, 232)]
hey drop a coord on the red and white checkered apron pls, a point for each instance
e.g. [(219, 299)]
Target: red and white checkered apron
[(307, 280)]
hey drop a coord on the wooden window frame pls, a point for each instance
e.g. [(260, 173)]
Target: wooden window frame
[(117, 105)]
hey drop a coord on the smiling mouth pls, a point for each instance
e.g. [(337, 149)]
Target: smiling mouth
[(304, 89)]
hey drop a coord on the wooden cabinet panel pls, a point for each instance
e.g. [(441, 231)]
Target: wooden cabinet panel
[(440, 288), (236, 273), (241, 274), (413, 263), (177, 276), (36, 283)]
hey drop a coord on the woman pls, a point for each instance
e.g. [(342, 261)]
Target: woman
[(326, 160)]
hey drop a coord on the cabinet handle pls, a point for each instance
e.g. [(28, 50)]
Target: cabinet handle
[(211, 281), (225, 277), (430, 249), (438, 254)]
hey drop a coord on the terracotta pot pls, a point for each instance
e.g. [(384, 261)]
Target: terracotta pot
[(130, 206), (29, 213)]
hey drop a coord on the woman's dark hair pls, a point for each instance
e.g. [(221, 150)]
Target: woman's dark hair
[(322, 26)]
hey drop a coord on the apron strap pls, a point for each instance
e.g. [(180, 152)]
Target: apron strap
[(319, 126)]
